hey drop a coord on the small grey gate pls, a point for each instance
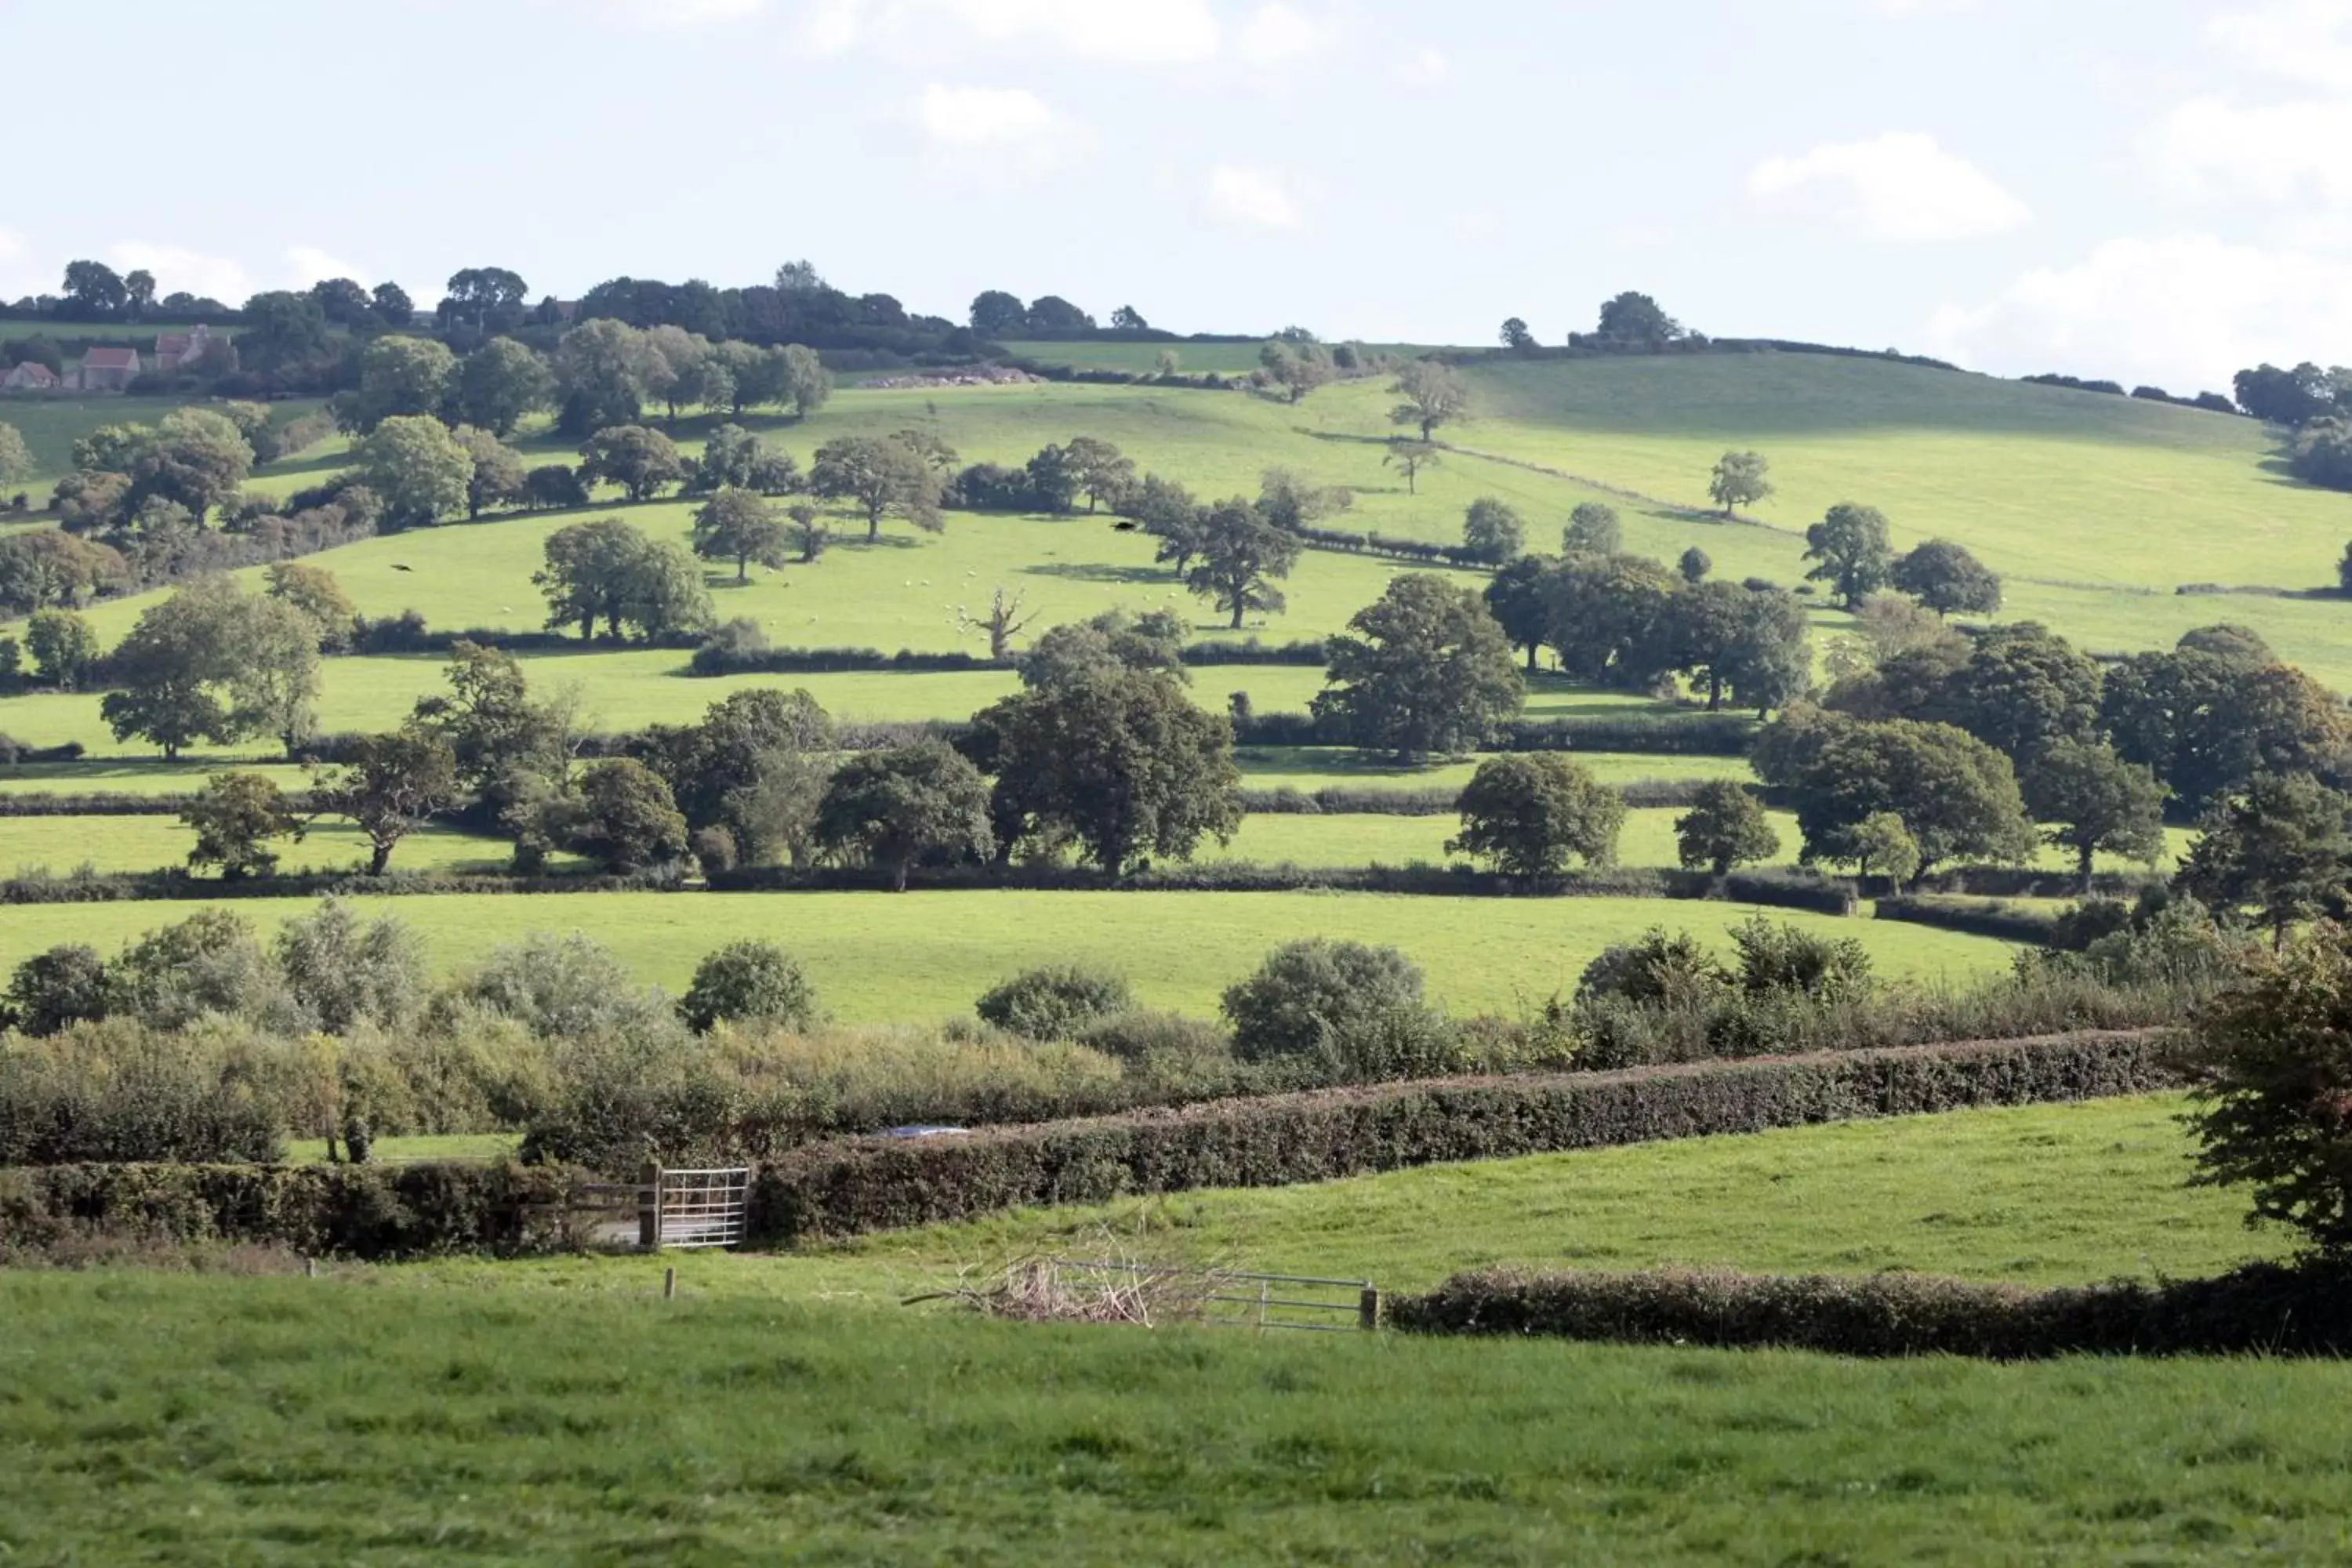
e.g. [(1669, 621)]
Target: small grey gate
[(696, 1208)]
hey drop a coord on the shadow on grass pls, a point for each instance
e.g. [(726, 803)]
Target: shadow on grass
[(1096, 572)]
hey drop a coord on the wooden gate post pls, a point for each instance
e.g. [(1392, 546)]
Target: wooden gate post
[(650, 1202), (1367, 1309)]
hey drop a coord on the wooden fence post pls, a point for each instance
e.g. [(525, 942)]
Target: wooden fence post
[(649, 1198), (1367, 1309)]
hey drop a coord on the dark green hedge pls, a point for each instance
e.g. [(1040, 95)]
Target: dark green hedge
[(1660, 734), (2263, 1308), (358, 1211), (1975, 918), (868, 1185), (134, 886)]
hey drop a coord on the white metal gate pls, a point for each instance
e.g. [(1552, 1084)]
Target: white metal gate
[(697, 1208)]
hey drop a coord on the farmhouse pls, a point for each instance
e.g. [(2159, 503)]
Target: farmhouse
[(30, 376), (107, 370), (174, 350)]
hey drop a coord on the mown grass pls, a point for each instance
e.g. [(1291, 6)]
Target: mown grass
[(1326, 767), (896, 958), (62, 844), (785, 1408)]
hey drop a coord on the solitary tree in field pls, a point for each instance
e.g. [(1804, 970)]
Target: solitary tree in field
[(1945, 578), (882, 478), (16, 458), (1528, 813), (1409, 459), (642, 461), (1434, 393), (1724, 827), (1422, 669), (422, 472), (1516, 336), (2092, 802), (392, 786), (1694, 565), (1238, 556), (1592, 530), (739, 526), (1739, 481), (1635, 318), (895, 807), (1850, 552), (1493, 530), (1099, 469), (1005, 619), (234, 817)]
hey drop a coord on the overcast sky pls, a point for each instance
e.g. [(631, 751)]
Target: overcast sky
[(2142, 189)]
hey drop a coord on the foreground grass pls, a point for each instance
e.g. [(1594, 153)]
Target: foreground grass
[(896, 958), (783, 1409)]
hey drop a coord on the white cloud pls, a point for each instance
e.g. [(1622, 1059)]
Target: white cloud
[(2183, 311), (2211, 148), (680, 13), (1425, 66), (1900, 188), (178, 270), (1277, 34), (1116, 32), (1251, 198), (309, 265), (2302, 40), (984, 116), (1919, 8)]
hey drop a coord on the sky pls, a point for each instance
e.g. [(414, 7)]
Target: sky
[(2145, 190)]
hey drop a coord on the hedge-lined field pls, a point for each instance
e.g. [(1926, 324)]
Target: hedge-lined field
[(885, 958)]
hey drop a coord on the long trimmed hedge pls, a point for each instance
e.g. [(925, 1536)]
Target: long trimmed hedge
[(162, 886), (1657, 734), (868, 1185), (2263, 1308), (1973, 917), (358, 1211)]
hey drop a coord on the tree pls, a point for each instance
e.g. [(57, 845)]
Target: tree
[(1310, 995), (2237, 645), (342, 972), (273, 677), (501, 383), (1610, 621), (756, 765), (1434, 393), (1518, 599), (1111, 641), (1739, 480), (422, 471), (2095, 802), (995, 312), (499, 734), (1636, 319), (1410, 458), (588, 575), (314, 590), (1945, 578), (193, 457), (44, 567), (52, 991), (343, 301), (499, 478), (234, 817), (629, 819), (16, 458), (2288, 398), (807, 384), (94, 290), (1493, 530), (1770, 663), (1956, 795), (1166, 511), (391, 302), (1427, 671), (1710, 627), (2282, 849), (64, 647), (806, 532), (391, 785), (174, 668), (1298, 368), (896, 808), (882, 478), (749, 982), (1051, 484), (1694, 565), (2209, 724), (1592, 530), (1099, 469), (1724, 827), (641, 461), (1005, 620), (604, 371), (1127, 319), (1125, 763), (1516, 336), (1851, 552), (282, 330), (137, 294), (737, 525), (2020, 690), (400, 375), (486, 296), (552, 486), (1529, 812), (1241, 555), (1880, 840)]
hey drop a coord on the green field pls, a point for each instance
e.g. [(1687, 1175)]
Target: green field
[(787, 1409), (62, 844), (51, 423), (883, 958)]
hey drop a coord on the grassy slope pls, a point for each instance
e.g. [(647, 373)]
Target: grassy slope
[(51, 425), (893, 958), (784, 1409)]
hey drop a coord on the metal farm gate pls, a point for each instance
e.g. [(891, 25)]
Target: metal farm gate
[(662, 1208)]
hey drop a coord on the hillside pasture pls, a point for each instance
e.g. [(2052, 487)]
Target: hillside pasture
[(897, 958)]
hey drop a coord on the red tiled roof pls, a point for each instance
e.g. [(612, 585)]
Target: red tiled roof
[(37, 373), (171, 343), (110, 359)]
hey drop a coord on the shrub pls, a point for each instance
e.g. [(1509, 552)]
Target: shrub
[(52, 990), (565, 987), (1779, 957), (209, 963), (1055, 1002), (749, 981), (1725, 827), (1308, 991), (1142, 1038), (120, 1091), (714, 849), (1659, 967), (1529, 814), (342, 972)]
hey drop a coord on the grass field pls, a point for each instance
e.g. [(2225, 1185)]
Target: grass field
[(882, 958), (60, 844), (51, 425), (1326, 767), (785, 1409)]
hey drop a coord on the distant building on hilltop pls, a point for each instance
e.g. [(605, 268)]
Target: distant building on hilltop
[(107, 370), (30, 376), (174, 350)]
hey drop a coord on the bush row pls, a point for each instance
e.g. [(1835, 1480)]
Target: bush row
[(356, 1211), (713, 659), (168, 883), (2009, 922), (848, 1188), (2260, 1308), (113, 803), (1659, 734), (1340, 800)]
